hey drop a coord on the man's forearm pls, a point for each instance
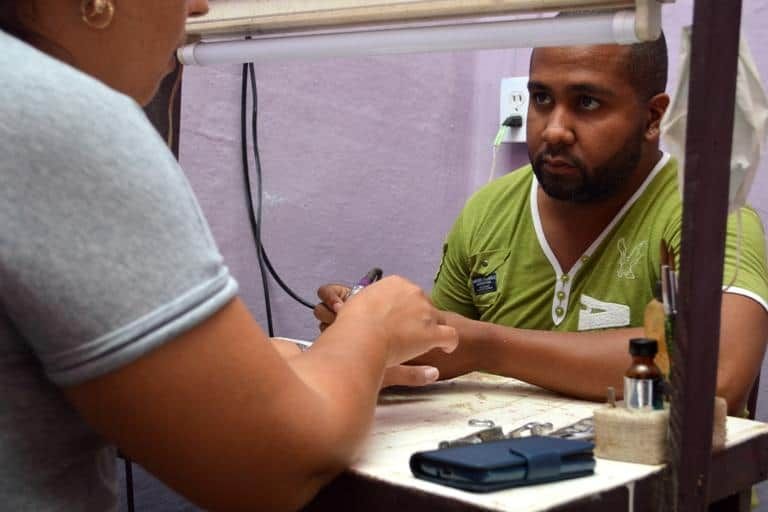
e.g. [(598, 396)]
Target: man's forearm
[(584, 364), (580, 364)]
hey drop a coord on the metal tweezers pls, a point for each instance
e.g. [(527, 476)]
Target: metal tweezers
[(582, 429)]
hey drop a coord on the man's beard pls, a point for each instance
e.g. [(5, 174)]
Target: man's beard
[(601, 183)]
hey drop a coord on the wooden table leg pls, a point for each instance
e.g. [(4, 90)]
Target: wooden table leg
[(740, 502)]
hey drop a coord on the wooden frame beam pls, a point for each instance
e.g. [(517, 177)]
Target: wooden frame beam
[(714, 54)]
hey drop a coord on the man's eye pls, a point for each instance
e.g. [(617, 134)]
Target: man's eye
[(589, 103), (541, 98)]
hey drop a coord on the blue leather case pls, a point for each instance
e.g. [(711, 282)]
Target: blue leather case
[(507, 463)]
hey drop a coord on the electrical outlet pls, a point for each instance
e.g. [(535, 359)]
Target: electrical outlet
[(514, 102)]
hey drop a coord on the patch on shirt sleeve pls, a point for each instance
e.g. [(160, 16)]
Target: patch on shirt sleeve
[(484, 284), (596, 314)]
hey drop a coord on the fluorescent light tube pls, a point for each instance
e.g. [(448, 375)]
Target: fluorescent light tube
[(228, 17), (599, 28)]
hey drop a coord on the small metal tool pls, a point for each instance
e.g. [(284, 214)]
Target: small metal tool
[(474, 422), (533, 428), (371, 277), (583, 429), (481, 436)]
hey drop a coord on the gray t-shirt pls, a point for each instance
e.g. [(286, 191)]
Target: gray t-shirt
[(104, 256)]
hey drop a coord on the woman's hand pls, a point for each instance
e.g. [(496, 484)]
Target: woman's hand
[(400, 313)]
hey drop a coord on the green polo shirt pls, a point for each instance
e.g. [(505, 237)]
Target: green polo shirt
[(498, 267)]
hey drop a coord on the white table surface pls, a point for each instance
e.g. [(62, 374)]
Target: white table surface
[(410, 420)]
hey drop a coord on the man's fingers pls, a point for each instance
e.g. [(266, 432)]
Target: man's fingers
[(412, 376)]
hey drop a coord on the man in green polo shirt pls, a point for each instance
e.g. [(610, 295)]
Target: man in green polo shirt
[(549, 268)]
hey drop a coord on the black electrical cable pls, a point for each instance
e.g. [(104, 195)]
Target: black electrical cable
[(284, 286), (254, 216), (257, 159)]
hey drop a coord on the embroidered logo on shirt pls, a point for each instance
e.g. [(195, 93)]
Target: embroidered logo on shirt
[(629, 259), (484, 284), (596, 314)]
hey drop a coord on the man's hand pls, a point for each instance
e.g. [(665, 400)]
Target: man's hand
[(331, 301)]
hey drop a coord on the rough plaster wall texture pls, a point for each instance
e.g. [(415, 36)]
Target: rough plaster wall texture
[(366, 162)]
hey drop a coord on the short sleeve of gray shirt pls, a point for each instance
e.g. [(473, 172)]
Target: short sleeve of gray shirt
[(104, 252)]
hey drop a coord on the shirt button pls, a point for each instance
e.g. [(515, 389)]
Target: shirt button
[(484, 263), (561, 295), (564, 278), (585, 258), (559, 311)]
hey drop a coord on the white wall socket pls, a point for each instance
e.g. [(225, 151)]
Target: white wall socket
[(514, 101)]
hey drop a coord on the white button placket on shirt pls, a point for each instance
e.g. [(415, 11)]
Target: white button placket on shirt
[(564, 281)]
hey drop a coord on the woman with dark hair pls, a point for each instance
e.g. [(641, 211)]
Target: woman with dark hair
[(120, 324)]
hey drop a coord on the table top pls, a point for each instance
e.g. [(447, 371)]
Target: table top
[(410, 420)]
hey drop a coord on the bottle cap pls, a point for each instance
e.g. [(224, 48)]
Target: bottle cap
[(643, 347)]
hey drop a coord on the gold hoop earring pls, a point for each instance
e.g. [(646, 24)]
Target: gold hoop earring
[(97, 14)]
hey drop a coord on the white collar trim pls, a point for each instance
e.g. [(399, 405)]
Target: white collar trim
[(562, 293)]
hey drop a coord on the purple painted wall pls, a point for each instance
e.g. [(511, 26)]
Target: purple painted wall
[(366, 162)]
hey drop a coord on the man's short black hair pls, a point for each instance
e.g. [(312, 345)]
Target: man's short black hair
[(647, 65)]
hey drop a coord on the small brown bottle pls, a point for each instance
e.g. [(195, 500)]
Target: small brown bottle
[(643, 380)]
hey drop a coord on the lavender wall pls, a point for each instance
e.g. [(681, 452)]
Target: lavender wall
[(366, 162)]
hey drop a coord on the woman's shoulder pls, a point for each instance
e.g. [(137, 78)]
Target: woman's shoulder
[(45, 99)]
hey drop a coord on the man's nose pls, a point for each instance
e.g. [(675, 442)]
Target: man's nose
[(558, 129), (197, 7)]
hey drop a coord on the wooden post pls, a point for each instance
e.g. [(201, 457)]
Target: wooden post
[(714, 53)]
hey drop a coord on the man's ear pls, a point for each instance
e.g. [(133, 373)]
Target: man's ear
[(656, 107)]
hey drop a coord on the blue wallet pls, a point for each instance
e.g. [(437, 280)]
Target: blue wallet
[(506, 463)]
